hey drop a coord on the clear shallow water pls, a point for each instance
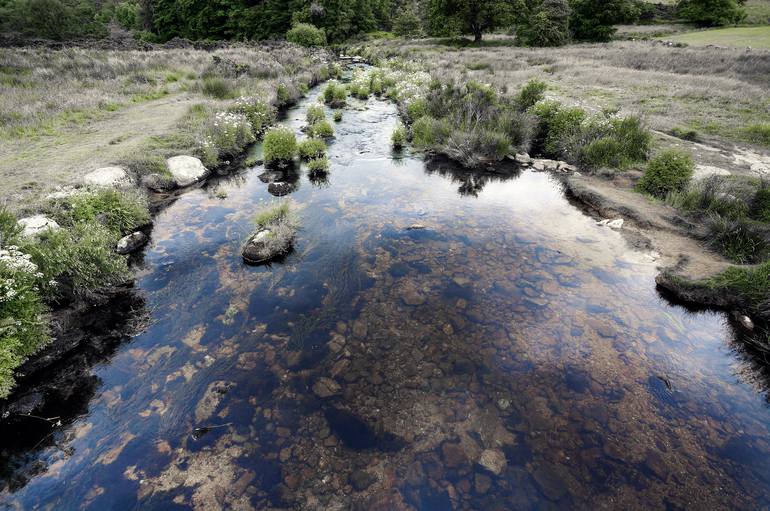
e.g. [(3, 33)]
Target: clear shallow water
[(382, 367)]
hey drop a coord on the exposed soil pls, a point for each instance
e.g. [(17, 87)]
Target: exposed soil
[(31, 167)]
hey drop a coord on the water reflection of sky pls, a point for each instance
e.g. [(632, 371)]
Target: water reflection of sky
[(615, 395)]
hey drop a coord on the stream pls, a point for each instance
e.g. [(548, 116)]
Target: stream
[(438, 339)]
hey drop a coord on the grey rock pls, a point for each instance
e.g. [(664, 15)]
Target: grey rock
[(186, 170), (493, 460), (326, 387), (131, 243), (108, 177), (34, 225)]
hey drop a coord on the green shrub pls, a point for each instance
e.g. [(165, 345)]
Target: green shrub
[(226, 135), (335, 94), (318, 165), (758, 134), (312, 148), (561, 125), (416, 108), (751, 284), (398, 138), (23, 328), (286, 95), (337, 115), (322, 129), (219, 88), (315, 114), (306, 34), (280, 145), (121, 213), (530, 94), (711, 12), (669, 171), (80, 259), (259, 114), (423, 132)]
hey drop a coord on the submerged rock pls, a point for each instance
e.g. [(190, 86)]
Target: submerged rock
[(115, 177), (34, 225), (131, 243), (361, 480), (612, 224), (493, 460), (326, 387), (186, 170)]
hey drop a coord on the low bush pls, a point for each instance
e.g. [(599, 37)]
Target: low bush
[(740, 240), (750, 284), (530, 94), (306, 34), (259, 114), (227, 134), (315, 114), (337, 115), (219, 88), (335, 94), (287, 94), (280, 145), (415, 109), (23, 327), (322, 129), (398, 138), (670, 171), (120, 212), (620, 142), (318, 165), (312, 148), (760, 205)]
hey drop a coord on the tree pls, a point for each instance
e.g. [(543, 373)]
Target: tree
[(593, 20), (711, 12), (478, 16), (407, 23), (547, 24)]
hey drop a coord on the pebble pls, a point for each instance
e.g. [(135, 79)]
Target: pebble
[(493, 460), (326, 387)]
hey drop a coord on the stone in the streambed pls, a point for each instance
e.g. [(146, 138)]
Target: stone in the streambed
[(522, 158), (415, 227), (280, 188), (612, 224), (34, 225), (108, 177), (131, 243), (410, 294), (704, 171), (545, 164), (211, 399), (453, 455), (265, 245), (271, 176), (549, 482), (158, 182), (186, 170), (493, 460), (482, 483), (361, 480), (743, 320), (566, 167), (326, 387)]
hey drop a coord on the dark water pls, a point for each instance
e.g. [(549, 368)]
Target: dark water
[(508, 354)]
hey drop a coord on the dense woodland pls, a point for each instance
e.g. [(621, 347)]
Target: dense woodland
[(536, 22)]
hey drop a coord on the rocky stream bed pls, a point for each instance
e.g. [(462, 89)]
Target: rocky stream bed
[(436, 340)]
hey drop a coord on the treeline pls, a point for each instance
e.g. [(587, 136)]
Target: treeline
[(536, 22)]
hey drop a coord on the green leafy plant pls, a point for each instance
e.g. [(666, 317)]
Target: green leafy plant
[(315, 114), (312, 148), (669, 171), (321, 129), (398, 138), (280, 145), (306, 34), (530, 94)]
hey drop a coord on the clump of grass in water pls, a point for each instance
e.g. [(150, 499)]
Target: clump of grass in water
[(312, 148), (276, 227)]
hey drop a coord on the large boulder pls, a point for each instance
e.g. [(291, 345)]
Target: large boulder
[(186, 170), (108, 177), (34, 225)]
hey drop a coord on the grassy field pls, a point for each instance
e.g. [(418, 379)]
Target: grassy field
[(739, 37)]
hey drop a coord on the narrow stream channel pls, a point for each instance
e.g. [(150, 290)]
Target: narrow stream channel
[(437, 340)]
